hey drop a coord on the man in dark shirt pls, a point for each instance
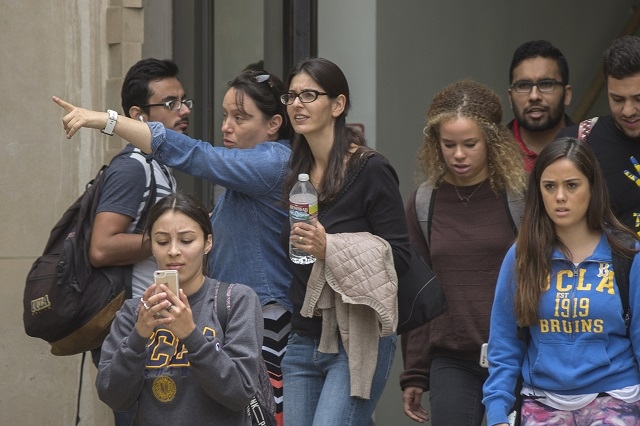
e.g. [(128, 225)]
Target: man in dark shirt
[(615, 138)]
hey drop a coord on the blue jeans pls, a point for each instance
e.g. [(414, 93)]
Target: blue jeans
[(317, 385), (456, 392)]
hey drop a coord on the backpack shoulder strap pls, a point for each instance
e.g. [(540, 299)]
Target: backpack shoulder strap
[(515, 206), (151, 200), (87, 205), (621, 269), (585, 127), (221, 303), (425, 196), (90, 205), (144, 214), (262, 407)]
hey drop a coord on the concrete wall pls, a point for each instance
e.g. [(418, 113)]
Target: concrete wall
[(74, 49)]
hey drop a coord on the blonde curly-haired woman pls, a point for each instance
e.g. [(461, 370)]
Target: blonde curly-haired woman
[(473, 176)]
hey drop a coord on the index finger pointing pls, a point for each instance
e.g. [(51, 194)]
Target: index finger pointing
[(64, 104)]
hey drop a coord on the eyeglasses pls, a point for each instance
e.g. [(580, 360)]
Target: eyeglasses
[(544, 86), (306, 96), (173, 105)]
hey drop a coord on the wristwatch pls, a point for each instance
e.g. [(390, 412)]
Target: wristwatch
[(111, 123)]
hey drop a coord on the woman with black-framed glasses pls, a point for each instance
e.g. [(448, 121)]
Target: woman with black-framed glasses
[(331, 377), (248, 217)]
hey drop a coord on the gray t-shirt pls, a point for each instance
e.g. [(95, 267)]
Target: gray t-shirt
[(125, 191)]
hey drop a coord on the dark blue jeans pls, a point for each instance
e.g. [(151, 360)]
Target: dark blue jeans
[(456, 392)]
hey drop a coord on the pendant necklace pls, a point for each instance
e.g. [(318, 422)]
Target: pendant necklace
[(466, 200)]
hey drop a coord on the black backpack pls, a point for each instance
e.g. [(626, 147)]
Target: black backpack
[(262, 407), (67, 302)]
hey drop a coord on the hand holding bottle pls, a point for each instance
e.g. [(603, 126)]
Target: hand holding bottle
[(303, 209), (310, 237)]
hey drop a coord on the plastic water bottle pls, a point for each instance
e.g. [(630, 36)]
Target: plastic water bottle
[(303, 207)]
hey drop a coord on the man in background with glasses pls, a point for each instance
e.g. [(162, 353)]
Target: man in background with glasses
[(615, 138), (539, 91), (151, 91)]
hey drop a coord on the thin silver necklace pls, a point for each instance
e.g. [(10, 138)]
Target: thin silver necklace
[(467, 199)]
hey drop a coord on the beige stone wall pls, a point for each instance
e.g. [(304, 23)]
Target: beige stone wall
[(74, 49)]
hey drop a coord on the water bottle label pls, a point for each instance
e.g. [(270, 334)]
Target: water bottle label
[(302, 211)]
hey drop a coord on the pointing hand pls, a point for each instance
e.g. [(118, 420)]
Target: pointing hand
[(78, 118)]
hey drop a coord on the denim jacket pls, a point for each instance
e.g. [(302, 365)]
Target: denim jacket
[(248, 217)]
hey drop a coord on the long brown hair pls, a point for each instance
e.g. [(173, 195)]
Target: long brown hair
[(333, 82), (537, 237)]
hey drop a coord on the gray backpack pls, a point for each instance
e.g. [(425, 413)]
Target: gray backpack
[(262, 407)]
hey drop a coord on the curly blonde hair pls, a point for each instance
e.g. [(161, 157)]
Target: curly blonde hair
[(475, 101)]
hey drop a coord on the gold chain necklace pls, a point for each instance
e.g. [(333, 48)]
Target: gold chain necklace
[(467, 199)]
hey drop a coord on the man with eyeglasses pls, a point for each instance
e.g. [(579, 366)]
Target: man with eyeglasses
[(539, 91), (151, 91), (615, 138)]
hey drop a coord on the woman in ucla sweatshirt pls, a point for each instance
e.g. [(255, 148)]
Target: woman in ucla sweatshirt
[(557, 317)]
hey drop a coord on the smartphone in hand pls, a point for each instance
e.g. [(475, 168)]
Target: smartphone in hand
[(484, 361), (168, 278)]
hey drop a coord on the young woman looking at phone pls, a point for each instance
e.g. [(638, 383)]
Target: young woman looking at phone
[(168, 352)]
